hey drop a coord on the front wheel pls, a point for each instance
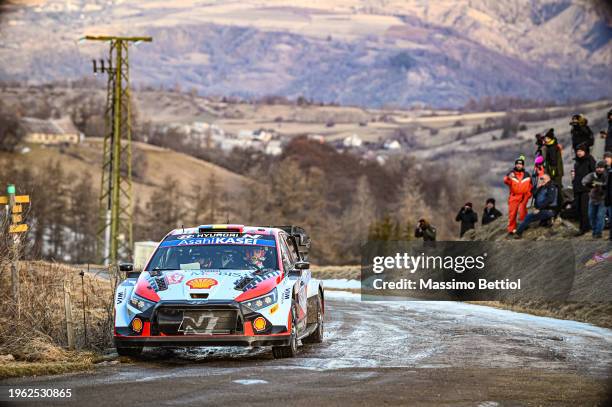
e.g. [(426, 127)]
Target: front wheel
[(288, 351)]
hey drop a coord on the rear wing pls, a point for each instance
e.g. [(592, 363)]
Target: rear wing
[(301, 239)]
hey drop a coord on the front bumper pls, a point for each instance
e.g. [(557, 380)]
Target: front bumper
[(242, 333), (204, 340)]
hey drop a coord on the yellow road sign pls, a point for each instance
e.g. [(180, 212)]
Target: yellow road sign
[(3, 200), (17, 218), (22, 198), (17, 209), (18, 228)]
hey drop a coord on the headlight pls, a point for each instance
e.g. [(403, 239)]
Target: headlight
[(261, 302), (140, 303)]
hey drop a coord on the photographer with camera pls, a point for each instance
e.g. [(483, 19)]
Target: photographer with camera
[(597, 182), (581, 132), (467, 217), (426, 231)]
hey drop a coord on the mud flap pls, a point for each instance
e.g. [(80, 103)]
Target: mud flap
[(312, 309)]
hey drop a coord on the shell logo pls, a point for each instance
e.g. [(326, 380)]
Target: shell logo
[(201, 283)]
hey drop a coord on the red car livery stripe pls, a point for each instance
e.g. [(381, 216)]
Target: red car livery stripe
[(144, 290), (262, 288)]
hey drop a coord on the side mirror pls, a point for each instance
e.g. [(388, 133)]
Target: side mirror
[(128, 269)]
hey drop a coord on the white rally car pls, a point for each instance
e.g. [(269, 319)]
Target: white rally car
[(217, 285)]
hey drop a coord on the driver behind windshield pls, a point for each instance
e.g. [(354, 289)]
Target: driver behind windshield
[(205, 261)]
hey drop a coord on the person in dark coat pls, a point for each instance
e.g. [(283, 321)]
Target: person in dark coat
[(467, 217), (545, 202), (608, 201), (490, 212), (596, 182), (608, 146), (581, 132), (553, 158), (584, 164), (425, 230)]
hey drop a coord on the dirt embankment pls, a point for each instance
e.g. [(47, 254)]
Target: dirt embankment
[(589, 299)]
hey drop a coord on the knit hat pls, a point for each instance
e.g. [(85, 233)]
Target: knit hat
[(550, 133), (539, 160), (468, 204), (519, 160), (491, 200), (583, 147), (601, 164)]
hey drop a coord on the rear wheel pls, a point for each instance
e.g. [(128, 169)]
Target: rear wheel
[(288, 351), (124, 350), (317, 335)]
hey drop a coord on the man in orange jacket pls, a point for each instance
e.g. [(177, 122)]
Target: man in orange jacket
[(519, 183)]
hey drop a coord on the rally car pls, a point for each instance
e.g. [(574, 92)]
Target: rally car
[(222, 285)]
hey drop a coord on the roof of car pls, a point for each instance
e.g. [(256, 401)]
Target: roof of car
[(226, 227)]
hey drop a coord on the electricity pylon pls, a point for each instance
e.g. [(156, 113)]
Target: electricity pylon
[(115, 238)]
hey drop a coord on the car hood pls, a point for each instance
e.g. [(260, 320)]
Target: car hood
[(177, 285)]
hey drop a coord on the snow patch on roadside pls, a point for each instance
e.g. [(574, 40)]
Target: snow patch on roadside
[(248, 382), (342, 284), (467, 310)]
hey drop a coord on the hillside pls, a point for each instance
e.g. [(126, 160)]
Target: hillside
[(356, 52), (160, 164), (474, 140)]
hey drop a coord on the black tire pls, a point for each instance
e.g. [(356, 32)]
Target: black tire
[(288, 351), (132, 351), (317, 335)]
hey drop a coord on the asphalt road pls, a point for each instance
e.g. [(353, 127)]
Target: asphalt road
[(374, 353)]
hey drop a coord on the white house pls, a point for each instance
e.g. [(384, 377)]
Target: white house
[(352, 141), (392, 145)]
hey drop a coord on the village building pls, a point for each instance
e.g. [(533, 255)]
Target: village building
[(50, 132)]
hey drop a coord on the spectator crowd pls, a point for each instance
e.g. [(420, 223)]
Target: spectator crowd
[(537, 198)]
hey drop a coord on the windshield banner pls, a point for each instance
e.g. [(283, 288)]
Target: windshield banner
[(201, 239)]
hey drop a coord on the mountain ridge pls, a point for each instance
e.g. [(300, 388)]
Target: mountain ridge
[(355, 52)]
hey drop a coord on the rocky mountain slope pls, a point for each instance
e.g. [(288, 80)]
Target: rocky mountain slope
[(360, 52)]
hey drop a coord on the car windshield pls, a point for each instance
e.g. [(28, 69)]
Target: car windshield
[(193, 253)]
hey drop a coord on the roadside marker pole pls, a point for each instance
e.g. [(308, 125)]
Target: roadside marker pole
[(14, 210), (68, 311), (82, 274)]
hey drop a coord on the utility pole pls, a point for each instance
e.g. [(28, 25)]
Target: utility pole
[(115, 237)]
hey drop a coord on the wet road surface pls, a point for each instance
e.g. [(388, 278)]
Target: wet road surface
[(394, 353)]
